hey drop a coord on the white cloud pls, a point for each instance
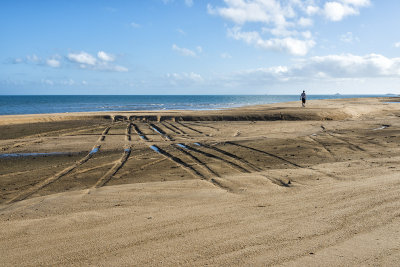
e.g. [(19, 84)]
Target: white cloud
[(184, 51), (305, 22), (82, 58), (281, 22), (33, 58), (17, 60), (184, 78), (358, 3), (322, 69), (225, 55), (48, 82), (52, 62), (336, 11), (241, 12), (338, 66), (397, 45), (67, 82), (326, 74), (117, 68), (87, 61), (291, 45), (189, 3), (348, 37), (312, 10), (105, 57)]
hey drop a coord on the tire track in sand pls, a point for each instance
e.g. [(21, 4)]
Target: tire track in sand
[(285, 160), (117, 166), (233, 156), (159, 131), (202, 125), (171, 157), (170, 128), (38, 138), (139, 132), (182, 148), (314, 139), (175, 127), (190, 128), (190, 169), (228, 162), (178, 161), (25, 194), (119, 163), (54, 178), (265, 153)]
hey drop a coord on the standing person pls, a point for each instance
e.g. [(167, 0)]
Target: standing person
[(303, 98)]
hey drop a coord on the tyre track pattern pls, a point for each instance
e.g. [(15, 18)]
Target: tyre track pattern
[(202, 125), (117, 166), (119, 163), (139, 132), (233, 156), (55, 177), (170, 128), (42, 184), (190, 169), (285, 160), (351, 145), (104, 133), (266, 153), (38, 138), (128, 132), (169, 156), (190, 128), (180, 131), (159, 131), (183, 148), (178, 161), (228, 162), (314, 139)]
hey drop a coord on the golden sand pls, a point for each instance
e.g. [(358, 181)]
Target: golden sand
[(261, 185)]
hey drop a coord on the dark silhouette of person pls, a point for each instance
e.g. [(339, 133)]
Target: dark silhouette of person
[(303, 98)]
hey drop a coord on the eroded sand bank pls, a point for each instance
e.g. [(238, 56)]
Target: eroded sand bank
[(263, 185)]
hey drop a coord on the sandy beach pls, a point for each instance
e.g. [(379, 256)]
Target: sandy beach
[(270, 185)]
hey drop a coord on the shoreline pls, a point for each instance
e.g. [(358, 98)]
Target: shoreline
[(48, 105), (226, 113)]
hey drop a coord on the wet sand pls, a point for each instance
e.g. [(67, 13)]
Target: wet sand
[(262, 185)]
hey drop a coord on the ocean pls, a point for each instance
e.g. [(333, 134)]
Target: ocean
[(38, 104)]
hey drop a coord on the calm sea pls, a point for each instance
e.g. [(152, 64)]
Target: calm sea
[(10, 105)]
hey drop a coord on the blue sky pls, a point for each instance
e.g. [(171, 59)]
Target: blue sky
[(199, 47)]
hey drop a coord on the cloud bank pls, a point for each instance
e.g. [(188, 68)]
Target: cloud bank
[(82, 60), (326, 69), (187, 52), (281, 25), (102, 62)]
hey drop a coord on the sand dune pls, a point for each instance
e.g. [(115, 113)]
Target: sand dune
[(263, 185)]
